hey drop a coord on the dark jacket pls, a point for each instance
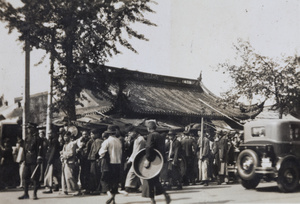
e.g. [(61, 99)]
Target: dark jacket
[(95, 147), (176, 151), (53, 150), (223, 148), (155, 141), (188, 147), (33, 148), (206, 148)]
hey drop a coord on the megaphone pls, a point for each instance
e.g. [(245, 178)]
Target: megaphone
[(155, 166)]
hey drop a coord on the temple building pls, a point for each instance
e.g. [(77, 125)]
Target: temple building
[(135, 95), (132, 97)]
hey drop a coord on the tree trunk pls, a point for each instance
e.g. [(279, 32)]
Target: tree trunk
[(70, 75), (70, 94), (70, 108)]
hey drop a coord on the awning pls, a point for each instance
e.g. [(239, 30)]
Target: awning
[(102, 121)]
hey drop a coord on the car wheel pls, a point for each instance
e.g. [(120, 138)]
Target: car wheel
[(246, 163), (288, 177), (251, 184)]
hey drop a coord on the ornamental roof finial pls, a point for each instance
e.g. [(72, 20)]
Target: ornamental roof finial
[(200, 77)]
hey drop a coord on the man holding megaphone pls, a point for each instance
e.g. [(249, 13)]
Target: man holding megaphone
[(152, 187)]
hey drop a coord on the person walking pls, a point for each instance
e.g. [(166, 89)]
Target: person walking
[(132, 180), (33, 159), (152, 187), (113, 147)]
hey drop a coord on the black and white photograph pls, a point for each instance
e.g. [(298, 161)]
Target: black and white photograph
[(149, 101)]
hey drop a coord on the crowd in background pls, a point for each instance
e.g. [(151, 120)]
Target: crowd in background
[(81, 163)]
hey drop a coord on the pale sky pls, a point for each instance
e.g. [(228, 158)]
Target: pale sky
[(191, 36)]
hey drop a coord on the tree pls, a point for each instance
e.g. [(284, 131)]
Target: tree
[(79, 35), (264, 77)]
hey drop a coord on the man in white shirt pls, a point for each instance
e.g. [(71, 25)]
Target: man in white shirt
[(112, 146)]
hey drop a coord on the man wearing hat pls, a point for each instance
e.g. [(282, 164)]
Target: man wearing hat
[(33, 149), (173, 160), (132, 180), (93, 186), (152, 187), (113, 147), (189, 147)]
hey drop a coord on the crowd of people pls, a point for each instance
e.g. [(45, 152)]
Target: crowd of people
[(200, 157), (100, 162)]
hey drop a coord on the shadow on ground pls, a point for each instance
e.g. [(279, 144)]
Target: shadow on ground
[(273, 189)]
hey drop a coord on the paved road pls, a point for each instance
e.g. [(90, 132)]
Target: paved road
[(232, 193)]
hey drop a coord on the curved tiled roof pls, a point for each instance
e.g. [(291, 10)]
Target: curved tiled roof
[(159, 98), (144, 93), (93, 103)]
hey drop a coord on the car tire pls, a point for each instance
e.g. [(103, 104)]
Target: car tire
[(288, 177), (250, 184), (247, 161)]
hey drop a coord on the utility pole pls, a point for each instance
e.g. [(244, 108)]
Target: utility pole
[(49, 105), (26, 94), (50, 93)]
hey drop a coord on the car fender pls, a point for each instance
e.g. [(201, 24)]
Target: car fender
[(283, 159)]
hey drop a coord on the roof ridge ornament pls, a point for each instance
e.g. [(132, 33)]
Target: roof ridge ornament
[(200, 77)]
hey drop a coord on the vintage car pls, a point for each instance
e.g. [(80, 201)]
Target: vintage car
[(271, 151)]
